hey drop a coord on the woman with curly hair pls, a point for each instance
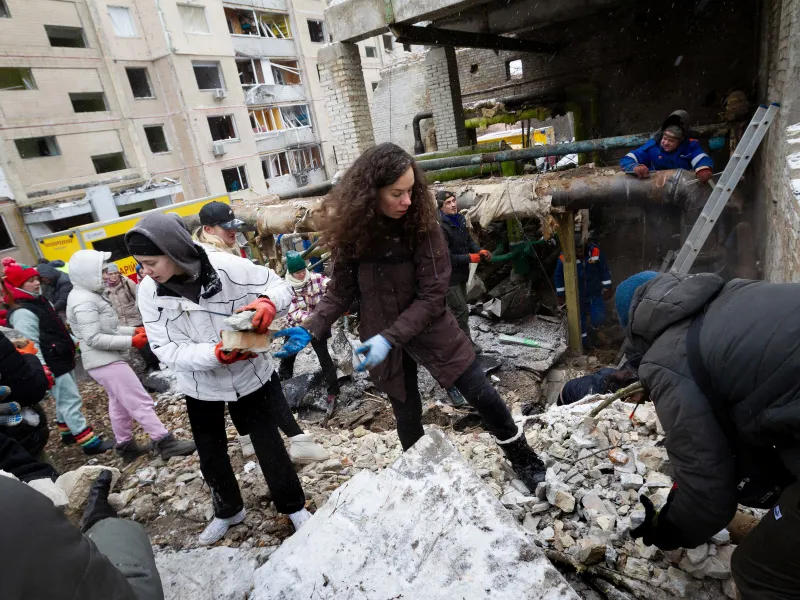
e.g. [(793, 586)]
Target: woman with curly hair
[(389, 253)]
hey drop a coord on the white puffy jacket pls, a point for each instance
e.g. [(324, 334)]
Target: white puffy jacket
[(183, 334), (90, 313)]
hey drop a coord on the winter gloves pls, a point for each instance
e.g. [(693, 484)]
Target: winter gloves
[(703, 175), (480, 256), (139, 341), (297, 338), (641, 171), (232, 356), (51, 380), (475, 258), (656, 530), (375, 351), (265, 313), (29, 348), (97, 507)]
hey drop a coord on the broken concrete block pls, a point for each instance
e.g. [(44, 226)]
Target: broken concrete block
[(47, 487), (729, 589), (697, 555), (426, 528), (721, 538), (589, 552), (242, 321), (245, 340), (558, 494), (677, 582), (78, 482), (637, 568), (631, 481), (653, 457)]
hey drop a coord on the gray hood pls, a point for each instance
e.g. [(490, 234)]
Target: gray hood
[(669, 299), (49, 271), (168, 232), (86, 269)]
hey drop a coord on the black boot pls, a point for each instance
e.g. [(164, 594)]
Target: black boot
[(528, 467), (129, 451), (97, 507)]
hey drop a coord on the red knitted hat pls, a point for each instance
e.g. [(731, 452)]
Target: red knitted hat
[(17, 274)]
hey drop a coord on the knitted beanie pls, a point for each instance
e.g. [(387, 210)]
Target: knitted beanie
[(677, 131), (625, 291), (17, 274), (294, 262), (441, 196)]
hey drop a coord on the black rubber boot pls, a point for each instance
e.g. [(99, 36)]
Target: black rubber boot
[(168, 446), (129, 451), (97, 507), (528, 467)]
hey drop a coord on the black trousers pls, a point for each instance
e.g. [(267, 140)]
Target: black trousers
[(282, 413), (207, 419), (766, 565), (475, 388), (286, 369)]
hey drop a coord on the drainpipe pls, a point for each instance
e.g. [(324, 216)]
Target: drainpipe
[(419, 147), (318, 189)]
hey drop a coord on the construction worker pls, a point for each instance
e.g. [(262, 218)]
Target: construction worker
[(671, 148), (594, 288), (720, 363)]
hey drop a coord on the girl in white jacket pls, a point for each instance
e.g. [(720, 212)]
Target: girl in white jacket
[(104, 344), (184, 300)]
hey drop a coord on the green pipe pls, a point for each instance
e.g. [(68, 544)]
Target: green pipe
[(465, 150), (464, 172), (539, 113)]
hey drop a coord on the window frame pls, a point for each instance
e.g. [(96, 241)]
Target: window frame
[(388, 48), (232, 118), (150, 143), (102, 98), (22, 78), (239, 170), (513, 76), (120, 153), (207, 65), (269, 114), (323, 30), (183, 5), (147, 78), (5, 10), (266, 159), (287, 123), (49, 139), (7, 229), (66, 28), (368, 49), (131, 20)]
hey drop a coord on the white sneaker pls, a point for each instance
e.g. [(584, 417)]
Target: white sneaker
[(299, 518), (247, 446), (218, 527), (304, 450)]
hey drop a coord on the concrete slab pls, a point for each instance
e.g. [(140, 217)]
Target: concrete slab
[(426, 528)]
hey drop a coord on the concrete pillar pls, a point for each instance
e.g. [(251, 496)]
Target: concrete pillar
[(102, 201), (346, 101), (441, 78)]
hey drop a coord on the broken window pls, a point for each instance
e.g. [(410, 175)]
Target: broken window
[(274, 25), (316, 30), (241, 22), (4, 14), (122, 21), (156, 139), (222, 128), (65, 37), (388, 43), (374, 85), (407, 47), (295, 117), (370, 51), (88, 102), (193, 18), (514, 69), (106, 163), (38, 146), (235, 178), (6, 241), (208, 75), (285, 72), (262, 24), (251, 72), (12, 78), (275, 165), (265, 120), (140, 82), (305, 159)]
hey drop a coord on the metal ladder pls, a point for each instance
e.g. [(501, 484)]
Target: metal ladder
[(724, 187)]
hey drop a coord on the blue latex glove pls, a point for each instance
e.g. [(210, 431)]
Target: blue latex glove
[(297, 338), (375, 351)]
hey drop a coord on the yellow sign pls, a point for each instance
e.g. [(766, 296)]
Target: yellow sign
[(60, 246)]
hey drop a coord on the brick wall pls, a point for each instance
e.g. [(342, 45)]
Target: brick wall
[(400, 95), (442, 79)]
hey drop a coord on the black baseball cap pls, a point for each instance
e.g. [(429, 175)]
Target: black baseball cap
[(219, 213)]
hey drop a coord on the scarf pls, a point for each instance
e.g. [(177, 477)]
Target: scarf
[(452, 219), (297, 284)]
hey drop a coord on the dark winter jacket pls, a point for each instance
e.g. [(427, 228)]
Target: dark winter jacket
[(402, 288), (460, 245), (46, 556), (750, 348), (58, 288), (594, 276), (55, 342), (18, 461)]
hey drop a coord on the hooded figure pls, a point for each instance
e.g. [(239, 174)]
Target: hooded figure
[(56, 286), (721, 362), (104, 346)]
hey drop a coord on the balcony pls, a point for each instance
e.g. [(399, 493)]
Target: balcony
[(276, 127), (259, 33), (270, 82), (293, 168)]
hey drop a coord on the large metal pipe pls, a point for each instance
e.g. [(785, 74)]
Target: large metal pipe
[(477, 149), (317, 189), (419, 147), (609, 143)]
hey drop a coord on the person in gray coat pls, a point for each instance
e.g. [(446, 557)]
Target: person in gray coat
[(720, 362), (56, 286)]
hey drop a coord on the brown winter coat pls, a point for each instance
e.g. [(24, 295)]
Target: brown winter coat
[(402, 295), (123, 299)]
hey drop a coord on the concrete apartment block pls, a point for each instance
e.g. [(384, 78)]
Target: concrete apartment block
[(346, 100), (441, 76)]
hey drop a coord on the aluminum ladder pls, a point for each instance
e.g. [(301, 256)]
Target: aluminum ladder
[(724, 187)]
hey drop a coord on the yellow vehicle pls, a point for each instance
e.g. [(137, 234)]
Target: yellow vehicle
[(108, 236)]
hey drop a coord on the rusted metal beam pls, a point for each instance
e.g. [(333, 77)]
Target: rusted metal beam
[(566, 235)]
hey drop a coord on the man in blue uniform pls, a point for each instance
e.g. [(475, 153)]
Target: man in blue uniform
[(672, 148), (594, 287)]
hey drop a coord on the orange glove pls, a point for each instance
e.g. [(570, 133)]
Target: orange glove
[(139, 330), (231, 356), (51, 381), (485, 255), (703, 175), (265, 313), (474, 258), (642, 172), (29, 348), (139, 341)]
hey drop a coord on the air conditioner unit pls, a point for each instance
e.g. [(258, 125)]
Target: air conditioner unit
[(219, 94), (219, 148), (301, 179)]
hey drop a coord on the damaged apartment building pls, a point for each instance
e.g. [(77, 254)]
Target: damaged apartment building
[(597, 70)]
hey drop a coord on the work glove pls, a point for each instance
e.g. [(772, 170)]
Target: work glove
[(97, 506), (703, 175), (29, 348), (297, 338), (51, 380), (656, 530), (228, 357), (265, 313), (139, 330), (375, 351), (4, 392), (641, 171), (607, 294), (139, 341), (485, 255), (475, 258)]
